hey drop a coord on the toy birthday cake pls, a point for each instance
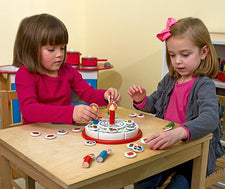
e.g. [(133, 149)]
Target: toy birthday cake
[(112, 131), (121, 130)]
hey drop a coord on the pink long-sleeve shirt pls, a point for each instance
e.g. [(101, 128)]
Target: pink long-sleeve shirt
[(48, 99)]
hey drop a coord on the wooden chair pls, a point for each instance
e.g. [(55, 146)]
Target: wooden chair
[(219, 173), (216, 179), (6, 98)]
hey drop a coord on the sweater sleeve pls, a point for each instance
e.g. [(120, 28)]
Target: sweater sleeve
[(31, 109), (203, 114)]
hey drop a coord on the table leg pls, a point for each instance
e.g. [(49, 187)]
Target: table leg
[(199, 167), (5, 173)]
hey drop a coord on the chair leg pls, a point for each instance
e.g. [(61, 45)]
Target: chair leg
[(30, 183)]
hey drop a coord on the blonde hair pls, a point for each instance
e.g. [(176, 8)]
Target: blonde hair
[(33, 33), (198, 33)]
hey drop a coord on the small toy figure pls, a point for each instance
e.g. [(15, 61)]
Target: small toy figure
[(87, 160), (102, 156)]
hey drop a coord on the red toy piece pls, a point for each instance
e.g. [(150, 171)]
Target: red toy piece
[(87, 160)]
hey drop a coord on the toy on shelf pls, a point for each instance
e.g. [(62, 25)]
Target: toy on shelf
[(221, 76), (90, 61), (73, 58)]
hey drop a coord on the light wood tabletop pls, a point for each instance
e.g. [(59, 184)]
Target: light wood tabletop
[(57, 163)]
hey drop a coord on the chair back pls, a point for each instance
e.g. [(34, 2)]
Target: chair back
[(9, 109)]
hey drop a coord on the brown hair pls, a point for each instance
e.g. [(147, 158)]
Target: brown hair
[(198, 33), (33, 33)]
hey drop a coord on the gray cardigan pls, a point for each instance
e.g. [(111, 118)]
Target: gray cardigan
[(201, 117)]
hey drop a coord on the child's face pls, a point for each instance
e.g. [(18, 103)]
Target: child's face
[(52, 58), (185, 55)]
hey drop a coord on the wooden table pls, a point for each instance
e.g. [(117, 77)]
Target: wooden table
[(57, 163)]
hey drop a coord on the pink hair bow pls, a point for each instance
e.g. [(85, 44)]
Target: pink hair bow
[(165, 34)]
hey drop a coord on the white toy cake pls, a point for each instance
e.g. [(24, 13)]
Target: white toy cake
[(120, 130), (111, 131)]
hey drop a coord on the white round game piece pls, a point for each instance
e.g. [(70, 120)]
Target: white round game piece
[(131, 127), (77, 130), (129, 121), (130, 154), (62, 132), (35, 133), (130, 146), (93, 127), (132, 115), (143, 141), (138, 148), (112, 130), (50, 136), (167, 129), (90, 142), (140, 115)]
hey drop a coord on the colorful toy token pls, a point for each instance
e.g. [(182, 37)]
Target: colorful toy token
[(131, 127), (35, 133), (90, 142), (169, 126), (77, 130), (93, 127), (130, 146), (62, 132), (167, 129), (129, 121), (138, 148), (140, 115), (112, 130), (50, 136), (130, 154), (143, 141), (94, 106), (132, 115)]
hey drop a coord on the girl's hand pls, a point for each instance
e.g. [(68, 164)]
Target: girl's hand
[(166, 139), (113, 93), (83, 113), (137, 93)]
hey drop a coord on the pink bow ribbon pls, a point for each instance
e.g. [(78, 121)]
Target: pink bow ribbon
[(165, 34)]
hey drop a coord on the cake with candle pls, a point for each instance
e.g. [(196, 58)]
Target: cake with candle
[(112, 131)]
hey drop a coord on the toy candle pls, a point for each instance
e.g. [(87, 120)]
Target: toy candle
[(87, 160), (102, 156), (112, 113), (111, 116)]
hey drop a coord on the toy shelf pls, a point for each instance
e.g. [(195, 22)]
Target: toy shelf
[(218, 40)]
